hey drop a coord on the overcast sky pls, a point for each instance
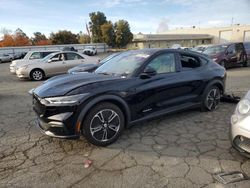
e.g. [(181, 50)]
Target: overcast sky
[(146, 16)]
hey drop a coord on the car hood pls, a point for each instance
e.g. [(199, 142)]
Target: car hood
[(61, 85)]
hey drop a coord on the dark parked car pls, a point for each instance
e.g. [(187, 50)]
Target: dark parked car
[(247, 48), (228, 55), (90, 67), (130, 88), (67, 48)]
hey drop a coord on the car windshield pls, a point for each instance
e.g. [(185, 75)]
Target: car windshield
[(108, 58), (46, 58), (124, 64), (215, 49)]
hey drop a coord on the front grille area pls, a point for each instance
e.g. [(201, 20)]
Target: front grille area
[(242, 143)]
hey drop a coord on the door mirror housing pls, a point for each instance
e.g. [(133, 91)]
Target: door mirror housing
[(148, 73)]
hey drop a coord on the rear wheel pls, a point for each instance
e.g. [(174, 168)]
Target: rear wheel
[(211, 99), (37, 75), (245, 63), (103, 124)]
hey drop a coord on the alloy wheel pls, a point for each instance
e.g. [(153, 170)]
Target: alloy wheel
[(37, 75), (104, 125), (213, 99)]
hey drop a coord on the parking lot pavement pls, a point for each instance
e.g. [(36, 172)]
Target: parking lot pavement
[(181, 150)]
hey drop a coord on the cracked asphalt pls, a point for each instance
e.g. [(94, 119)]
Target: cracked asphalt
[(180, 150)]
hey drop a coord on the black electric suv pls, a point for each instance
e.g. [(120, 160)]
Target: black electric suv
[(131, 87)]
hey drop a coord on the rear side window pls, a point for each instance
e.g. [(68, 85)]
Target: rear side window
[(189, 62), (46, 53), (73, 56), (36, 55)]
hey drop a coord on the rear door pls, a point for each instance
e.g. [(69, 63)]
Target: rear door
[(193, 76), (73, 59), (231, 54)]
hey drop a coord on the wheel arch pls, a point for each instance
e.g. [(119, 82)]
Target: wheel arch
[(216, 82), (105, 98)]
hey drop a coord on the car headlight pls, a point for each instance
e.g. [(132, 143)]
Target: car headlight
[(214, 59), (244, 106), (72, 99)]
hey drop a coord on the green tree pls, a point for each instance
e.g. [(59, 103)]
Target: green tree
[(108, 33), (123, 34), (83, 38), (63, 37), (96, 20), (38, 36)]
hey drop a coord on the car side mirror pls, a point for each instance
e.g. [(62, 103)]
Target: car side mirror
[(148, 73)]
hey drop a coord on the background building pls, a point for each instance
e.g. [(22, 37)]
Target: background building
[(190, 37)]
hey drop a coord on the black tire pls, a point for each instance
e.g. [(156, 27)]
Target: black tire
[(211, 99), (97, 126), (0, 61), (37, 75)]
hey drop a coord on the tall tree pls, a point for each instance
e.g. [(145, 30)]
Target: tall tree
[(96, 20), (38, 36), (21, 39), (63, 37), (108, 33), (83, 38), (7, 41), (123, 34)]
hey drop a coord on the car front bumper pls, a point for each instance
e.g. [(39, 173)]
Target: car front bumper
[(20, 73), (240, 135), (59, 122), (54, 129)]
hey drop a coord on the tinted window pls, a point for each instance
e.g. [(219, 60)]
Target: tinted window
[(73, 56), (46, 53), (189, 62), (36, 55), (231, 49), (164, 63)]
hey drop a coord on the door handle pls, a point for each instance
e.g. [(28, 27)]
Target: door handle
[(63, 62)]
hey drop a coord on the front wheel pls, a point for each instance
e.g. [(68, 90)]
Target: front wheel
[(37, 75), (103, 124), (211, 99)]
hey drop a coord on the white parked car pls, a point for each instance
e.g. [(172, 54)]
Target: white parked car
[(30, 56), (5, 58), (240, 126), (90, 51), (53, 64)]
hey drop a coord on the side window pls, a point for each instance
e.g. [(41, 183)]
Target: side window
[(163, 63), (36, 55), (46, 53), (231, 49), (73, 56), (189, 62)]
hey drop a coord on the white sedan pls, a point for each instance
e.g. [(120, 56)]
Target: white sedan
[(53, 64)]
